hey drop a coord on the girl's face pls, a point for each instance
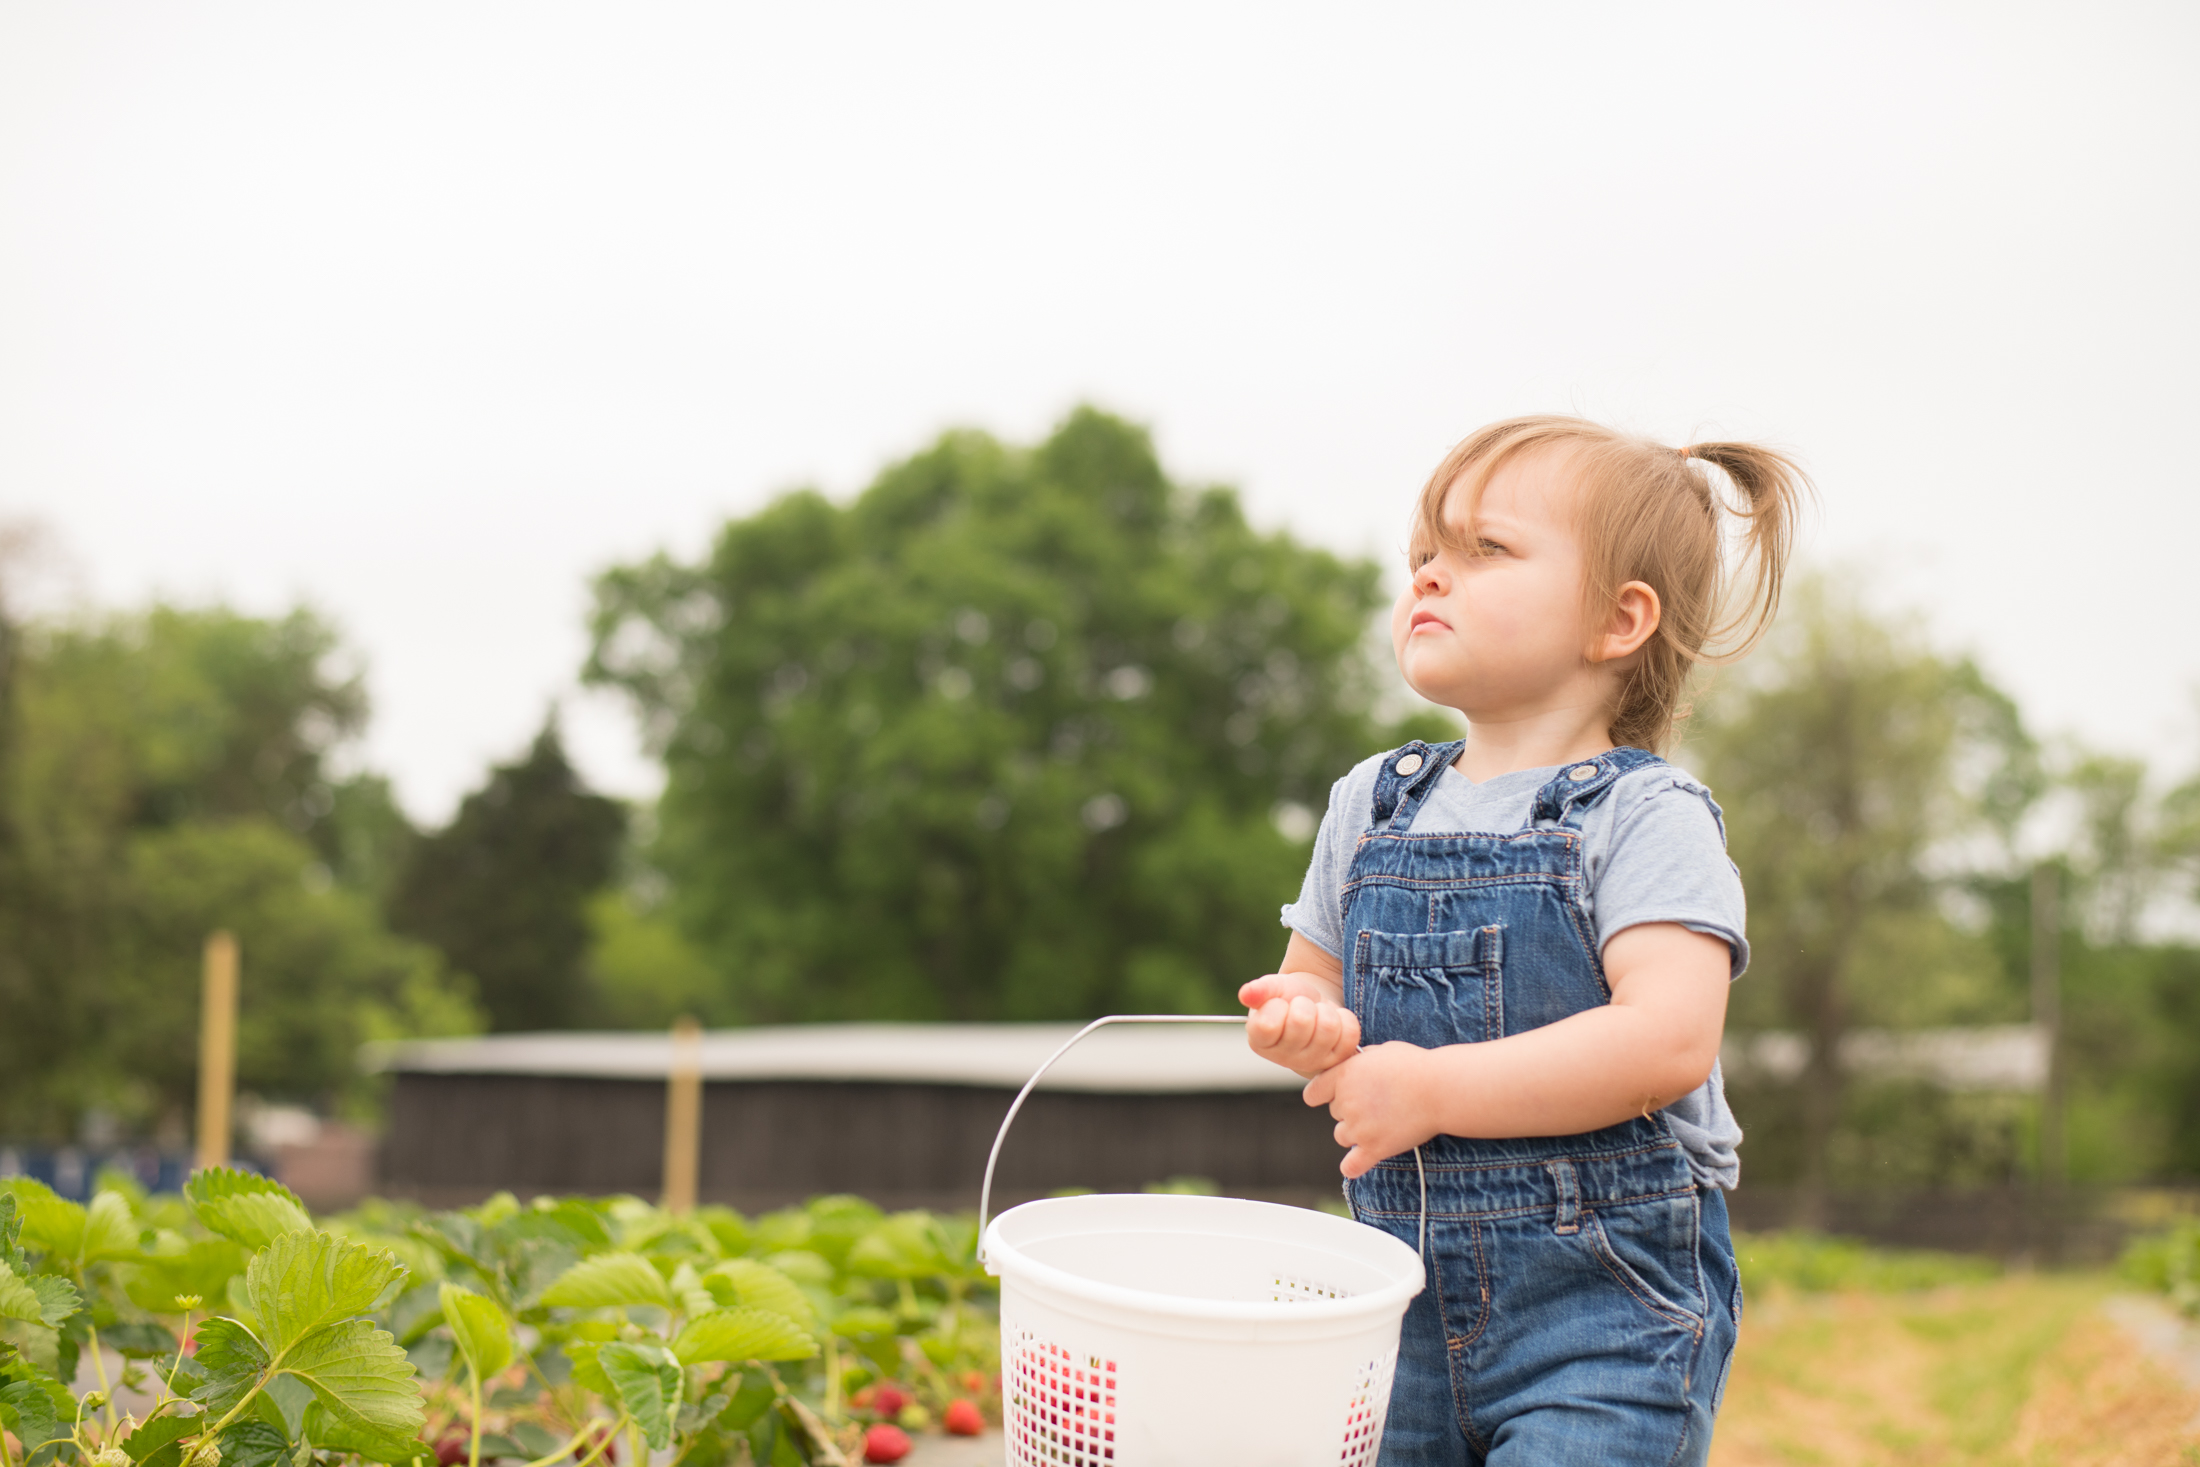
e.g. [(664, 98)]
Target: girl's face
[(1501, 635)]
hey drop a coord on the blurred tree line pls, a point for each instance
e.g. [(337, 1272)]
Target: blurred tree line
[(1891, 816), (163, 774), (1026, 733)]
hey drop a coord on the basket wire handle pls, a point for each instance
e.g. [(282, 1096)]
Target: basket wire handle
[(985, 1194)]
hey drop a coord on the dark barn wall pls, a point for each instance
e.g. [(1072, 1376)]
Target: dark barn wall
[(457, 1138)]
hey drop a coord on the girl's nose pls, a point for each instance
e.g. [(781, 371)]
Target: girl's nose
[(1429, 580)]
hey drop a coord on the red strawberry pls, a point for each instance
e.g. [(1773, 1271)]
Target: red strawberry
[(884, 1443), (889, 1399), (450, 1449), (861, 1400), (963, 1419), (974, 1382)]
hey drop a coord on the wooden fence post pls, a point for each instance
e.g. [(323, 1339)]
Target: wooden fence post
[(2047, 1014), (217, 1049), (684, 1116)]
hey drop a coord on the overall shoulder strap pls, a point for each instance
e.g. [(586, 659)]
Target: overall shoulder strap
[(1570, 793), (1405, 779)]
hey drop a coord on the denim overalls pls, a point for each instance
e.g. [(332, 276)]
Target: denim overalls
[(1582, 1297)]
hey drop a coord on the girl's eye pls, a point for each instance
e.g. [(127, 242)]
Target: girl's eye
[(1489, 547)]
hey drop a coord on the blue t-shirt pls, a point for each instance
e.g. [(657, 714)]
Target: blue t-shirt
[(1653, 850)]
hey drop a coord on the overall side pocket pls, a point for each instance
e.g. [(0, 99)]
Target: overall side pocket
[(1652, 1255)]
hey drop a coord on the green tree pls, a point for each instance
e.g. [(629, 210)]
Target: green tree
[(504, 890), (1858, 770), (321, 974), (163, 774), (1005, 737)]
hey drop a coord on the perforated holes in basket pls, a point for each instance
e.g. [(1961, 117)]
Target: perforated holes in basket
[(1363, 1418), (1061, 1405), (1287, 1290)]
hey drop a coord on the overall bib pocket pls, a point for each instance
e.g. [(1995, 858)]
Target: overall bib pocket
[(1429, 988)]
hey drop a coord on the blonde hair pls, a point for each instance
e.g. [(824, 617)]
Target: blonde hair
[(1648, 513)]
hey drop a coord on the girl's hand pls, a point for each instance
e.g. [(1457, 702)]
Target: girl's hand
[(1383, 1101), (1301, 1031)]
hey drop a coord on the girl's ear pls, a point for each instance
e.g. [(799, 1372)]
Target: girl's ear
[(1636, 612)]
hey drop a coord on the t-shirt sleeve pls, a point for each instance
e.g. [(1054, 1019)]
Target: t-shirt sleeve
[(1667, 862), (1318, 914)]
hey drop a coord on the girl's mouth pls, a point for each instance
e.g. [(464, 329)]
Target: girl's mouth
[(1426, 619)]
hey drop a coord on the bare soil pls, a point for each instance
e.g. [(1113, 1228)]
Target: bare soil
[(2020, 1371)]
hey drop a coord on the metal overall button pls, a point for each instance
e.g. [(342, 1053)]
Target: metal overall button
[(1579, 774), (1411, 764)]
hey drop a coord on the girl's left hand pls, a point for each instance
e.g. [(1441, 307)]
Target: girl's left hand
[(1381, 1098)]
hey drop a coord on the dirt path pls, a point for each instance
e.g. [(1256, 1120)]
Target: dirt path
[(2020, 1371)]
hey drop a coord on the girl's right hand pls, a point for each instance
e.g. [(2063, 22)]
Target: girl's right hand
[(1297, 1024)]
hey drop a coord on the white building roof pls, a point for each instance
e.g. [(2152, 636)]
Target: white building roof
[(1129, 1058), (2007, 1057)]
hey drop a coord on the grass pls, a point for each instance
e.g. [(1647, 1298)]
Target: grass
[(1860, 1356)]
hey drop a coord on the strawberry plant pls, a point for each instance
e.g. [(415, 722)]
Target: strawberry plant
[(226, 1326)]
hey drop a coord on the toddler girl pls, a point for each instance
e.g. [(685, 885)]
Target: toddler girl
[(1508, 969)]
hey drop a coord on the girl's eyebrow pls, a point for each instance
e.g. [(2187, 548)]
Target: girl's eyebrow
[(1485, 526)]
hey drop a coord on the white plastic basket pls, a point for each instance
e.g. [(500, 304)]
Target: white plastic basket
[(1154, 1330)]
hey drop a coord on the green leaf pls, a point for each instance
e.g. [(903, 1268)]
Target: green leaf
[(901, 1247), (248, 1209), (864, 1321), (139, 1341), (302, 1281), (811, 1270), (326, 1431), (587, 1373), (110, 1230), (609, 1280), (283, 1403), (570, 1222), (742, 1334), (760, 1286), (363, 1379), (41, 1299), (37, 1411), (231, 1358), (57, 1297), (647, 1379), (159, 1432), (252, 1444), (483, 1334), (39, 1347), (11, 1234), (50, 1221), (754, 1397), (204, 1267)]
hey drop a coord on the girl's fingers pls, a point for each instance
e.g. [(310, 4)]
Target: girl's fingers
[(1340, 1033), (1321, 1088)]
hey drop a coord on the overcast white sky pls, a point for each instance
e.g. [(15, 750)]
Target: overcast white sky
[(423, 313)]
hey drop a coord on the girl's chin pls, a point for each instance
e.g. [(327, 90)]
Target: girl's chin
[(1435, 688)]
